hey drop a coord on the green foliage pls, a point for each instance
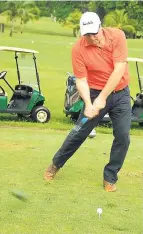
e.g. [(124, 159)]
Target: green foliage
[(24, 11), (44, 7), (62, 9), (2, 6), (119, 19), (108, 5), (121, 5), (72, 21), (11, 13), (97, 7), (134, 10), (11, 10), (28, 11), (92, 6)]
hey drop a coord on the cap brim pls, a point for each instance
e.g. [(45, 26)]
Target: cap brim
[(88, 29)]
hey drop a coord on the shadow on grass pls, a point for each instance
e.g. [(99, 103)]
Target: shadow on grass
[(46, 32), (41, 31), (61, 123), (54, 123), (133, 125), (13, 118)]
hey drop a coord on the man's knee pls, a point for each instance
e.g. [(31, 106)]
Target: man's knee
[(126, 139), (123, 138)]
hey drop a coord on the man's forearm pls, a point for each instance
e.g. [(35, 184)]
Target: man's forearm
[(114, 80), (83, 90)]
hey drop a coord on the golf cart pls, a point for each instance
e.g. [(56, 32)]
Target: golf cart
[(27, 99), (73, 103)]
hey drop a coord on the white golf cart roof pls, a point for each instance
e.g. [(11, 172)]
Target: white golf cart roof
[(134, 59), (15, 49)]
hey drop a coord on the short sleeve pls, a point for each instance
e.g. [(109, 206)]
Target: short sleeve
[(79, 68), (120, 50)]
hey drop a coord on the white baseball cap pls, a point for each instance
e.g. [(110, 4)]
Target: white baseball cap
[(89, 23)]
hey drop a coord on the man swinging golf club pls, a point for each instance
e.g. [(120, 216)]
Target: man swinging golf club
[(99, 60)]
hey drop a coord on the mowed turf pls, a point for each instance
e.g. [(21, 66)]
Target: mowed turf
[(69, 203)]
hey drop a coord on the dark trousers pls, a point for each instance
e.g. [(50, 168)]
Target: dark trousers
[(119, 108)]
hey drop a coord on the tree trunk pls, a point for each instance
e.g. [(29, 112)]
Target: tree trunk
[(21, 28), (10, 34), (76, 32), (12, 28)]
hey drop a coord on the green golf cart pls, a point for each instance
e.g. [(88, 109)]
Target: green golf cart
[(26, 100), (73, 102)]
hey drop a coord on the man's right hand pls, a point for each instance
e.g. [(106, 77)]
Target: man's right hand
[(83, 89), (89, 111)]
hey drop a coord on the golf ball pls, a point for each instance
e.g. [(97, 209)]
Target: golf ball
[(99, 210)]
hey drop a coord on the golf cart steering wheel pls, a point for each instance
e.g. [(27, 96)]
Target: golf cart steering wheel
[(2, 74), (3, 92)]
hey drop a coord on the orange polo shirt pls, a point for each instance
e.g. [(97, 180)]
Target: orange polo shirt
[(97, 64)]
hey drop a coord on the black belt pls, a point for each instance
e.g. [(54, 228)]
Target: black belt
[(118, 91)]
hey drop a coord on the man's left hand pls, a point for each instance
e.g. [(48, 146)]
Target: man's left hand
[(98, 104)]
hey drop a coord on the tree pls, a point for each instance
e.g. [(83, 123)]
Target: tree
[(119, 19), (2, 6), (97, 7), (44, 8), (68, 13), (24, 11), (62, 9), (11, 14), (72, 21), (135, 11)]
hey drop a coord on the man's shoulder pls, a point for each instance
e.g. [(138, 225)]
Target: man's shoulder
[(79, 44), (113, 32)]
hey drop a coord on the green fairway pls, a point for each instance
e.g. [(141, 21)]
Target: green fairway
[(69, 203)]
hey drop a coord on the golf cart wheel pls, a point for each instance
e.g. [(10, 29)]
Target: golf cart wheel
[(40, 114)]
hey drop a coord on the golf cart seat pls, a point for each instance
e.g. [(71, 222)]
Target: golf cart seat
[(23, 91)]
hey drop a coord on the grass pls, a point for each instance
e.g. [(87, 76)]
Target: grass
[(69, 203)]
